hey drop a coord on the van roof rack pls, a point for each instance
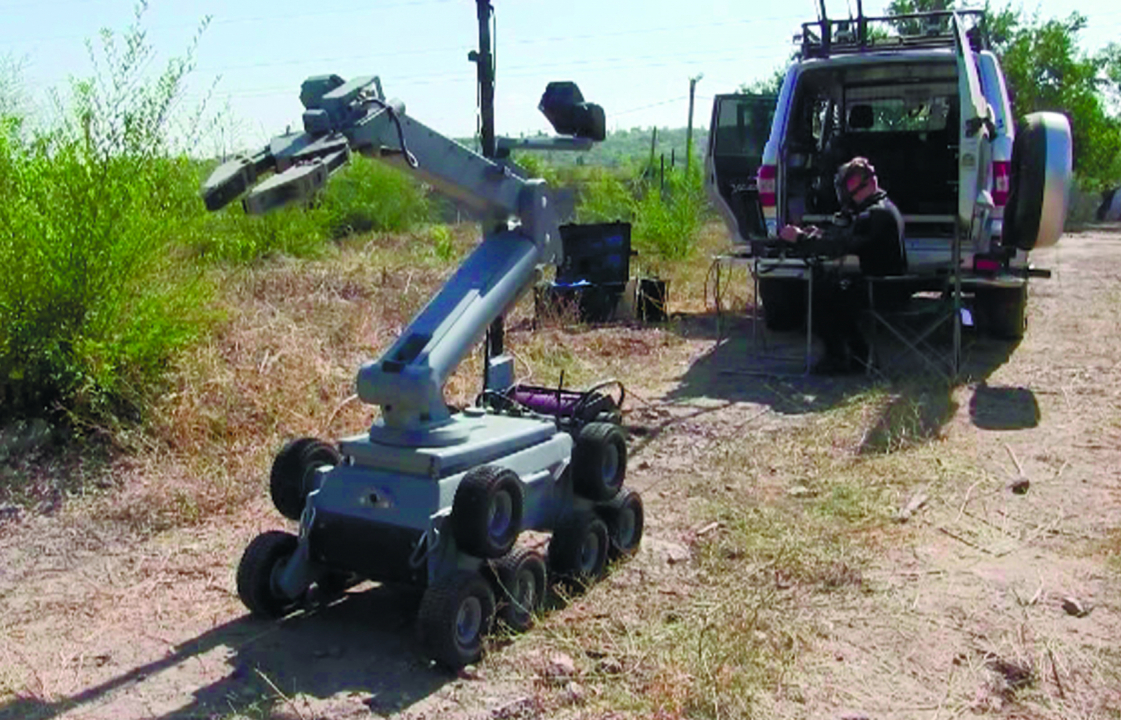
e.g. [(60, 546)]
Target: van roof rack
[(825, 37)]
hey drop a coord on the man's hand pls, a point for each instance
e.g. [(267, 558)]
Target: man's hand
[(791, 233)]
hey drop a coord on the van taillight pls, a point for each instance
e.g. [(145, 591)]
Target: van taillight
[(766, 185), (1001, 186)]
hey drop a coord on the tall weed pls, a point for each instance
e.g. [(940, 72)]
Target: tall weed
[(233, 236), (91, 306), (368, 195), (666, 218), (606, 197), (669, 218)]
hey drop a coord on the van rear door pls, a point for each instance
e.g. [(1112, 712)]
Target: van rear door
[(975, 153), (741, 125)]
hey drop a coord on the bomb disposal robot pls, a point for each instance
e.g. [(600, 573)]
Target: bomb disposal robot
[(432, 497)]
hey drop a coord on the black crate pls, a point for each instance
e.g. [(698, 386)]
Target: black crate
[(585, 302), (599, 253)]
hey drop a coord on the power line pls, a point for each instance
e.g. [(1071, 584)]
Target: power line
[(422, 3), (651, 105), (223, 21), (627, 62), (525, 42)]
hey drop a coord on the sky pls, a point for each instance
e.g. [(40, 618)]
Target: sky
[(633, 57)]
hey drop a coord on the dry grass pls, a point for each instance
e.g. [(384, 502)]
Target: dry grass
[(787, 529), (801, 515), (282, 365)]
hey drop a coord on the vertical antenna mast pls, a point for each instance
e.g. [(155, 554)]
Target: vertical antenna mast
[(861, 25), (484, 66), (484, 62)]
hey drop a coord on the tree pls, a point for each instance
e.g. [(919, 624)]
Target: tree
[(1047, 71), (769, 85), (908, 7), (13, 97)]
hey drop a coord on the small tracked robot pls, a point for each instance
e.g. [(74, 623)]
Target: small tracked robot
[(429, 496)]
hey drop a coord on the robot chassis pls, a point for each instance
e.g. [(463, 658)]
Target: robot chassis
[(430, 497)]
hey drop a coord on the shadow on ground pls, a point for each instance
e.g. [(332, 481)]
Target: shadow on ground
[(363, 645), (1003, 408), (752, 365)]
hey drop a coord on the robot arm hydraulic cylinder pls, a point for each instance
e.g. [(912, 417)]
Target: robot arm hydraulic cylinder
[(407, 381), (520, 232)]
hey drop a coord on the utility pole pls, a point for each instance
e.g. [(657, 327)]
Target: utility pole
[(689, 132)]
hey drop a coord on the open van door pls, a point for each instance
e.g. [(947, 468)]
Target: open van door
[(975, 151), (741, 125)]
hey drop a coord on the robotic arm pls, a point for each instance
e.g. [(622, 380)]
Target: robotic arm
[(520, 233)]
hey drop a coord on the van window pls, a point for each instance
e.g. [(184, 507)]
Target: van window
[(742, 126), (894, 109)]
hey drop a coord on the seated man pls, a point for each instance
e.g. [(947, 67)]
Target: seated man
[(868, 226)]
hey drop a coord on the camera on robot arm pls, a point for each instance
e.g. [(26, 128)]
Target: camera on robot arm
[(520, 224)]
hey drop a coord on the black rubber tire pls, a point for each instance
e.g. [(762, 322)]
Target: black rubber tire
[(487, 511), (521, 582), (456, 614), (579, 546), (1001, 312), (255, 574), (599, 461), (1027, 181), (293, 473), (626, 519), (784, 303)]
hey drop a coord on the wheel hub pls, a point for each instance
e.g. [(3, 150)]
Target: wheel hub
[(468, 621), (610, 464), (500, 516), (525, 592), (589, 554)]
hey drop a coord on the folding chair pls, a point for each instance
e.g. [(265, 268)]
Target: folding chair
[(915, 324)]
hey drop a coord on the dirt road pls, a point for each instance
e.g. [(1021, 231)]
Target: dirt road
[(988, 602)]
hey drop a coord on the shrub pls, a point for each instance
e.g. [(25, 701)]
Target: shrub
[(665, 219), (91, 308), (233, 236), (605, 198), (364, 196), (668, 219), (369, 195)]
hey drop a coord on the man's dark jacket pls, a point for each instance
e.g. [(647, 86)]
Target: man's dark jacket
[(874, 233)]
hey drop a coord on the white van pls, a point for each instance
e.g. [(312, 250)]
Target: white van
[(924, 99)]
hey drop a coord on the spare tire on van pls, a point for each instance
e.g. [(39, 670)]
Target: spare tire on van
[(1039, 182)]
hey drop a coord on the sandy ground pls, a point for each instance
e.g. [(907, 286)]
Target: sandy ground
[(93, 625)]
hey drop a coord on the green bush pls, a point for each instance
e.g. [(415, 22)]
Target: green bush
[(91, 306), (231, 235), (605, 197), (364, 196), (369, 195), (668, 219), (536, 166), (665, 219)]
